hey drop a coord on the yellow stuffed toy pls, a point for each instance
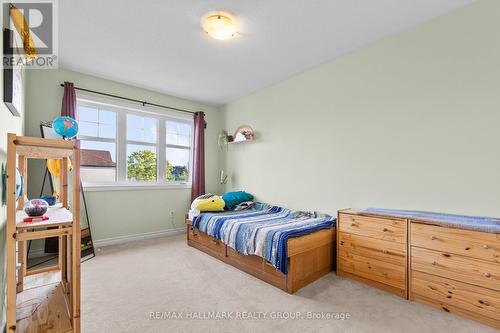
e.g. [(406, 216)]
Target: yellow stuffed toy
[(54, 167), (208, 203)]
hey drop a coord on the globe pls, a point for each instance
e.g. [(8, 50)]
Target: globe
[(66, 127), (19, 185), (36, 207)]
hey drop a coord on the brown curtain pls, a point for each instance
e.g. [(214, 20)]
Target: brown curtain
[(68, 107), (198, 156)]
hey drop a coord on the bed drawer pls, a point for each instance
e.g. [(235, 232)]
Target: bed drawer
[(453, 294), (480, 245), (256, 266), (388, 229), (372, 269), (390, 252), (205, 242), (478, 272)]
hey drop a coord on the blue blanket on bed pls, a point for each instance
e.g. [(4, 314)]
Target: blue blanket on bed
[(262, 230), (476, 223)]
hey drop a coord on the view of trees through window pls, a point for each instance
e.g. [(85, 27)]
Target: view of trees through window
[(134, 152), (141, 166)]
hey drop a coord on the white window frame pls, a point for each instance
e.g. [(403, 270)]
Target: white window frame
[(122, 108)]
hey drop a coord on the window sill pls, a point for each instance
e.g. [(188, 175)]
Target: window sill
[(133, 187)]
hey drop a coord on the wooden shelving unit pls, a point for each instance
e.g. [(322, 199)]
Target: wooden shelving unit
[(47, 299)]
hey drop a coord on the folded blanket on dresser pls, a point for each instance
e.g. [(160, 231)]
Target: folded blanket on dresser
[(475, 223), (262, 230)]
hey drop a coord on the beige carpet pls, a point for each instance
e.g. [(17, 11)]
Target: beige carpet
[(125, 283)]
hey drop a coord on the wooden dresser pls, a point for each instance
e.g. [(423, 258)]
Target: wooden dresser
[(456, 270), (373, 249)]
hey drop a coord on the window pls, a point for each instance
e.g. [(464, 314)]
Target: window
[(141, 148), (123, 144), (178, 150), (97, 131)]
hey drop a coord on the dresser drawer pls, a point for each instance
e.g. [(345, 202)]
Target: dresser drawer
[(480, 245), (203, 241), (451, 294), (375, 227), (372, 269), (390, 252), (478, 272)]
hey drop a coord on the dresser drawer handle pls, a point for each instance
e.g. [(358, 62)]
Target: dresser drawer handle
[(433, 237), (486, 246), (487, 275), (385, 230), (434, 263), (484, 302), (354, 224), (385, 251)]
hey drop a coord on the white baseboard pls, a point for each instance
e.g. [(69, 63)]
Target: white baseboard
[(137, 237)]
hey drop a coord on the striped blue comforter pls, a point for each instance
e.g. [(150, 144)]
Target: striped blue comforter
[(262, 230)]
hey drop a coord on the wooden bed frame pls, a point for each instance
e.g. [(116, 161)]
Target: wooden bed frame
[(309, 258)]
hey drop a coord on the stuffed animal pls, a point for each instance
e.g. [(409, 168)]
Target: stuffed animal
[(232, 199), (208, 203)]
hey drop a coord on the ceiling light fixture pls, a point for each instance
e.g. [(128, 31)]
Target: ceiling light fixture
[(219, 25)]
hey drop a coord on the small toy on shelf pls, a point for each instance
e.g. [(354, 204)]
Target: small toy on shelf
[(51, 200), (36, 207), (35, 219)]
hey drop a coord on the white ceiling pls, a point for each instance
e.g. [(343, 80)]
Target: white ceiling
[(159, 45)]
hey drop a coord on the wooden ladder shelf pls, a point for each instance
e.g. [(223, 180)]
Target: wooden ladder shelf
[(55, 291)]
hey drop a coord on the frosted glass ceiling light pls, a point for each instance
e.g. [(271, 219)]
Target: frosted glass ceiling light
[(219, 25)]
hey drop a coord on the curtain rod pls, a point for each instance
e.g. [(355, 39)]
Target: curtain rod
[(144, 103)]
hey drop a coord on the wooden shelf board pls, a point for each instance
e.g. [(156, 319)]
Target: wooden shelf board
[(21, 141), (43, 309), (57, 214), (240, 141), (43, 152), (34, 281)]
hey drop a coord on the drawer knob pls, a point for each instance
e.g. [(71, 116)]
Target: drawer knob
[(354, 224), (484, 302), (487, 275), (486, 246), (434, 263), (433, 237), (385, 251), (385, 230)]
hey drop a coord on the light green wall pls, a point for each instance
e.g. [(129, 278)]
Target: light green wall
[(8, 124), (410, 122), (119, 213)]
